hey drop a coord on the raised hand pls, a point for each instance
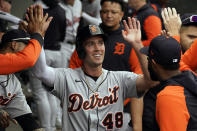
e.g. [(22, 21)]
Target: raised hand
[(37, 23), (172, 21), (5, 119), (132, 32)]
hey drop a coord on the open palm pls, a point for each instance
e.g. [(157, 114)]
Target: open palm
[(132, 32)]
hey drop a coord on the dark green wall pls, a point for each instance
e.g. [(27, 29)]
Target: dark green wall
[(184, 6), (19, 7)]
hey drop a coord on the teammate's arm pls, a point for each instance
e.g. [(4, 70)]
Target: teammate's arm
[(43, 72), (132, 34), (136, 113), (37, 25), (13, 62)]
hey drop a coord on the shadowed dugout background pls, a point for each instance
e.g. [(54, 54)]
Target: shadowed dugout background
[(183, 6)]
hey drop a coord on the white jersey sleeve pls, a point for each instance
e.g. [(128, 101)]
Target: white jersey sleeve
[(127, 81), (60, 83)]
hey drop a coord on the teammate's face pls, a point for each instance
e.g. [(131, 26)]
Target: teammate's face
[(188, 35), (17, 46), (111, 14), (153, 74), (95, 51)]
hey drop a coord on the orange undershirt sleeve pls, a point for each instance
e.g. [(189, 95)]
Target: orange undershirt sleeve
[(152, 28), (134, 63), (13, 62)]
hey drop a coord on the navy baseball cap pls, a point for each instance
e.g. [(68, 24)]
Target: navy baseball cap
[(88, 31), (165, 50), (85, 33), (15, 35), (189, 19)]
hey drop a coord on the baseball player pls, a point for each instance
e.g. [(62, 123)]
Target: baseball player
[(13, 104), (73, 9), (93, 97), (12, 99)]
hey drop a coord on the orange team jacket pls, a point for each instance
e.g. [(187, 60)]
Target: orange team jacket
[(171, 110), (152, 28), (150, 21), (171, 106), (13, 62)]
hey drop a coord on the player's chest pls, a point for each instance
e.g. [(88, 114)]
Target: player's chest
[(90, 95)]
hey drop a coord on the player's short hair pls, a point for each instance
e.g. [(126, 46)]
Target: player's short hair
[(120, 2)]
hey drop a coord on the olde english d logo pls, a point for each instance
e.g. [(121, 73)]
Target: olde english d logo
[(119, 48)]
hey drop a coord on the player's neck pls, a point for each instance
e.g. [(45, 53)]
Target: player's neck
[(92, 71)]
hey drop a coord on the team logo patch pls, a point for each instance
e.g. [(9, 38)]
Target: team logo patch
[(119, 48), (93, 28)]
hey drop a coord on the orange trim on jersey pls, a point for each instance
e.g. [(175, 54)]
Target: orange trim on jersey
[(75, 62), (171, 109), (154, 7), (177, 38), (13, 62), (134, 63), (127, 101), (152, 28)]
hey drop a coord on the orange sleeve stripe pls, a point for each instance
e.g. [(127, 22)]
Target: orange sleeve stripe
[(152, 27), (154, 7), (13, 62), (188, 60), (75, 62), (171, 109), (134, 63)]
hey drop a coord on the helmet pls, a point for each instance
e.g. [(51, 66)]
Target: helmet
[(85, 33)]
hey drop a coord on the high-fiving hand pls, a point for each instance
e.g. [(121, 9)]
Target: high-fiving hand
[(172, 21), (132, 32), (5, 119), (36, 21)]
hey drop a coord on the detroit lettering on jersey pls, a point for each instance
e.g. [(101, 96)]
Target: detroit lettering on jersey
[(77, 102), (5, 100)]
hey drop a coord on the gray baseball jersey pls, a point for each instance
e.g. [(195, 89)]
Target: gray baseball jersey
[(12, 99), (93, 105)]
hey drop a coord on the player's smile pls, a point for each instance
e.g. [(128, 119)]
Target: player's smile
[(95, 50)]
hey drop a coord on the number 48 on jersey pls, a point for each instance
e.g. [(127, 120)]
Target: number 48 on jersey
[(109, 123)]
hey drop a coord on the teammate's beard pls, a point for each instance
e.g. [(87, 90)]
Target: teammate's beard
[(153, 75)]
